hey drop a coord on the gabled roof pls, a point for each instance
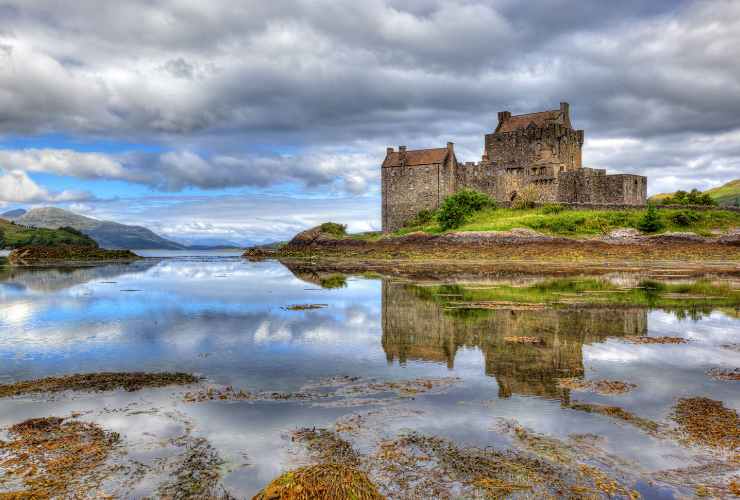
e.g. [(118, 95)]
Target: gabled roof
[(417, 157), (540, 119)]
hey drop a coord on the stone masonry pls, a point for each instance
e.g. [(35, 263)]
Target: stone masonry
[(541, 149)]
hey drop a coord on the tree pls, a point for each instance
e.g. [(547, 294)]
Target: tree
[(650, 222)]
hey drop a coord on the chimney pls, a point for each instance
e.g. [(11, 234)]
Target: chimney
[(388, 151), (565, 108), (402, 150), (503, 116), (451, 147)]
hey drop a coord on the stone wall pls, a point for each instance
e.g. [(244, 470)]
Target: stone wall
[(527, 148), (408, 190)]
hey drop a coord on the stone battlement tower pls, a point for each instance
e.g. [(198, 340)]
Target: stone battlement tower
[(539, 149)]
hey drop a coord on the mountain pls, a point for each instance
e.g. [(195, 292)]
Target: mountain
[(107, 234), (726, 194), (12, 214)]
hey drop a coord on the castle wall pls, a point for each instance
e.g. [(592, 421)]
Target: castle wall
[(626, 189), (529, 148), (408, 190)]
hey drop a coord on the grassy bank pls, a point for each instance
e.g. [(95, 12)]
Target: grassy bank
[(556, 220), (16, 236)]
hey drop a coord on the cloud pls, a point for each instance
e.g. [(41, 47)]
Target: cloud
[(17, 187), (311, 91)]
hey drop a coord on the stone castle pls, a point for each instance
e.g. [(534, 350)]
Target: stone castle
[(541, 149)]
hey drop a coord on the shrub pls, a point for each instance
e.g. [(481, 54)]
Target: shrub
[(685, 217), (334, 229), (693, 197), (423, 218), (457, 208), (650, 222), (552, 208), (527, 197)]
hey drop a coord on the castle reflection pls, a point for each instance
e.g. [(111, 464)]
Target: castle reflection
[(417, 328)]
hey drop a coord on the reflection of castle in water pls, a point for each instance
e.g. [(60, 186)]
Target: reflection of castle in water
[(418, 329)]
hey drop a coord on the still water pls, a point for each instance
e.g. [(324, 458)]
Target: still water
[(230, 321)]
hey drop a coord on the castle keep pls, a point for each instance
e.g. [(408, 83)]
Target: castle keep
[(541, 149)]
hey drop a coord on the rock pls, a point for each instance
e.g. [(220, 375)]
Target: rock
[(311, 236), (67, 253)]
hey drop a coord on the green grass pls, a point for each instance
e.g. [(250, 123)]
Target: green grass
[(14, 236), (584, 222), (727, 194)]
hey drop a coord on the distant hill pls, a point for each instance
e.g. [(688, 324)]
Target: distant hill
[(726, 194), (14, 235), (11, 214), (108, 234)]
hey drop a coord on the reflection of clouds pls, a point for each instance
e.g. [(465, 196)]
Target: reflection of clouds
[(682, 355), (716, 328), (17, 313)]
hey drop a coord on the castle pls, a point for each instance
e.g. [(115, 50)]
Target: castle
[(536, 149)]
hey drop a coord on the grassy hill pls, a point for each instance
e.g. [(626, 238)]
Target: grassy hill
[(727, 194), (15, 235)]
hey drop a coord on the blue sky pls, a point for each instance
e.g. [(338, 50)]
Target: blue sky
[(247, 122)]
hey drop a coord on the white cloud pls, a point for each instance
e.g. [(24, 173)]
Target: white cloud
[(17, 187)]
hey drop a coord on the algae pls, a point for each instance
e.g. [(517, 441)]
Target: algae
[(105, 381)]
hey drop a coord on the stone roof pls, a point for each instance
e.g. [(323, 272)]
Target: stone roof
[(540, 119), (417, 157)]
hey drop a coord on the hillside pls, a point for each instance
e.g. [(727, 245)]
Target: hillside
[(14, 236), (726, 194), (107, 234)]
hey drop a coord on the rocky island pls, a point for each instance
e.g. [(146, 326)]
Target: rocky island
[(44, 246)]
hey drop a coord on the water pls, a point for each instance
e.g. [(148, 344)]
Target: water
[(227, 319)]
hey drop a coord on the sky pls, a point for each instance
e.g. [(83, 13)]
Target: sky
[(248, 121)]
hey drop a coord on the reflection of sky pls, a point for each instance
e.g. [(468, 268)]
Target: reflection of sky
[(224, 318)]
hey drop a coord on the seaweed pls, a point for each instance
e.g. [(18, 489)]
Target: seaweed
[(708, 422), (327, 481), (603, 387), (106, 381), (52, 457)]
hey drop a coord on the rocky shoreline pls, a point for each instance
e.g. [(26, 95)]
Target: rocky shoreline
[(67, 254), (524, 246)]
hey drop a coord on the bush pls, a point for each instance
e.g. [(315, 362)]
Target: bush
[(457, 208), (552, 208), (334, 229), (694, 197), (423, 218), (527, 197), (685, 218), (650, 222)]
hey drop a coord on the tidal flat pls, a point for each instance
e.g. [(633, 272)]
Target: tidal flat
[(224, 378)]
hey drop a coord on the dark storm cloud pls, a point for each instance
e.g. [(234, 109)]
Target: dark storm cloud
[(243, 82)]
